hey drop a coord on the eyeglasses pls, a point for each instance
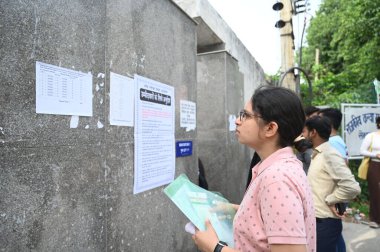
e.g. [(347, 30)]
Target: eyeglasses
[(243, 115)]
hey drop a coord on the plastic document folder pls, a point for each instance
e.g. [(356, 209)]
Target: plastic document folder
[(199, 205)]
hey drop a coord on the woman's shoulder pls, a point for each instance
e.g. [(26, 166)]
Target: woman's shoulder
[(283, 167)]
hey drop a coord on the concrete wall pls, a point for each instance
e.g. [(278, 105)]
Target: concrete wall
[(227, 77), (66, 189), (220, 94), (70, 189)]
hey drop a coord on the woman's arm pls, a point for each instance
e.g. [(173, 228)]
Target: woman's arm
[(287, 248)]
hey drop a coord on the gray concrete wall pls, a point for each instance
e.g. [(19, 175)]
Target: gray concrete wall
[(223, 88), (66, 189), (220, 94), (252, 71)]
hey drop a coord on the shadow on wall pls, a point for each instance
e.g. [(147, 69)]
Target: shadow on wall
[(202, 182)]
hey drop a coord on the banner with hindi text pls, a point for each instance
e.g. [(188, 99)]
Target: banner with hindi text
[(358, 121)]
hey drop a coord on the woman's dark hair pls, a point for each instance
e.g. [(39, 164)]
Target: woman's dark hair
[(282, 106), (378, 122), (321, 124)]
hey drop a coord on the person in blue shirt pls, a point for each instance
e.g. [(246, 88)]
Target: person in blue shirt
[(335, 117)]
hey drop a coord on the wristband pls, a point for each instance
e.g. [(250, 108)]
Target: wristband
[(219, 246)]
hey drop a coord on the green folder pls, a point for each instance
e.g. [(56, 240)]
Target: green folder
[(199, 205)]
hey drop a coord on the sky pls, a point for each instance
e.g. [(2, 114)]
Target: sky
[(253, 22)]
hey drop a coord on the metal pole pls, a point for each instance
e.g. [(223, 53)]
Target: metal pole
[(287, 43)]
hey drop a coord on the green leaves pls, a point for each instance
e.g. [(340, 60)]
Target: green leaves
[(347, 34)]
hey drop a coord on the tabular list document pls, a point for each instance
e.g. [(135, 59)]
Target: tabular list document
[(63, 91), (154, 134), (122, 100)]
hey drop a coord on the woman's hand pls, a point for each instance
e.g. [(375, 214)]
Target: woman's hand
[(206, 240), (224, 208)]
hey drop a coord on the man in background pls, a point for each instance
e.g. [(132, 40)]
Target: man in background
[(336, 141), (331, 183), (311, 111)]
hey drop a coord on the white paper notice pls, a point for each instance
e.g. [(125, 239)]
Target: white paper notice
[(63, 91), (122, 92), (231, 122), (188, 115), (154, 134)]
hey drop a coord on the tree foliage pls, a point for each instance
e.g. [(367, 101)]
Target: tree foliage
[(347, 34)]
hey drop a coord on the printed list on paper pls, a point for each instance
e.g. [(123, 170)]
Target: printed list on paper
[(188, 115), (62, 91), (122, 100)]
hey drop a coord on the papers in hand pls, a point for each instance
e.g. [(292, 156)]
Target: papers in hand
[(199, 205)]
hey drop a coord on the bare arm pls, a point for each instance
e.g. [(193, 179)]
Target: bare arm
[(287, 248), (365, 146)]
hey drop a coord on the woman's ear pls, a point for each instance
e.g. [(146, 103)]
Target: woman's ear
[(271, 129)]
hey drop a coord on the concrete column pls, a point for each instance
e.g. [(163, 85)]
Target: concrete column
[(70, 189), (287, 45), (220, 95)]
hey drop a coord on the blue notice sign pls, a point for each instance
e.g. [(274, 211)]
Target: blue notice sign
[(184, 148)]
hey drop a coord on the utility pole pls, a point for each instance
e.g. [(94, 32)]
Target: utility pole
[(287, 45), (316, 62)]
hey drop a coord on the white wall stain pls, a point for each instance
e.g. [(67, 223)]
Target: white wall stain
[(106, 171), (56, 170), (97, 87), (101, 75), (100, 125), (101, 100), (87, 126), (19, 219), (138, 60), (36, 20), (74, 121)]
